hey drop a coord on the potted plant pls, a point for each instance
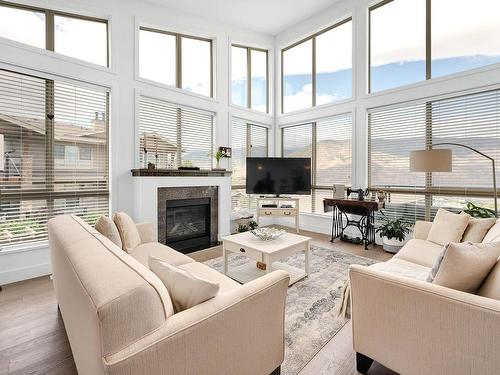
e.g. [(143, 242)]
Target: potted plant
[(393, 233)]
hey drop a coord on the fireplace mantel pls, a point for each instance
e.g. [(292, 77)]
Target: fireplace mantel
[(144, 172)]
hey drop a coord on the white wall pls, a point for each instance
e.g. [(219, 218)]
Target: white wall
[(361, 101), (124, 18)]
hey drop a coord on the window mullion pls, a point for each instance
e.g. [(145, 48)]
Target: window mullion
[(49, 31), (49, 145), (428, 40), (178, 45), (249, 78), (313, 78)]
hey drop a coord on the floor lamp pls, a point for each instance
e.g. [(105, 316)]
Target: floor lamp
[(440, 160)]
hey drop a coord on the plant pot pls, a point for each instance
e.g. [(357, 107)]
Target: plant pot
[(392, 245)]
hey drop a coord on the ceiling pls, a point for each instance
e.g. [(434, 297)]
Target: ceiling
[(266, 16)]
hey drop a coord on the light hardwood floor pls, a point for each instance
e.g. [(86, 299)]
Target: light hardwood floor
[(33, 339)]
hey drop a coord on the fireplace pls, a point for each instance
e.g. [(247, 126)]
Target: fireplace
[(188, 224), (188, 217)]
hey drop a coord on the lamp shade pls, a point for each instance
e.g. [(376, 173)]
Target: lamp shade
[(436, 160)]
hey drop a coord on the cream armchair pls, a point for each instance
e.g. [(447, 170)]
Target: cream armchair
[(414, 327)]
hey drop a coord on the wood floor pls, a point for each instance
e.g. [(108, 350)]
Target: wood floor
[(33, 339)]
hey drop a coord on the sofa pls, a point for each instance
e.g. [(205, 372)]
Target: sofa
[(120, 320), (415, 327)]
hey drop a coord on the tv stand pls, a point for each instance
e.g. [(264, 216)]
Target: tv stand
[(278, 210)]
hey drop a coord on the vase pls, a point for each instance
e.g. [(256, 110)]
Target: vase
[(392, 245)]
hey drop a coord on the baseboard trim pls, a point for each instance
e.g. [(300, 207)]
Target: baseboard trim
[(24, 273)]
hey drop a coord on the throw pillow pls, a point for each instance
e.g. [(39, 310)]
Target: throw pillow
[(464, 266), (185, 289), (128, 231), (493, 234), (477, 229), (448, 227), (107, 228)]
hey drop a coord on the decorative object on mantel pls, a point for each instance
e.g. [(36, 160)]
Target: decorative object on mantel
[(361, 193), (267, 233), (440, 160), (151, 166), (226, 151), (222, 152), (186, 168), (381, 195), (393, 233), (163, 172)]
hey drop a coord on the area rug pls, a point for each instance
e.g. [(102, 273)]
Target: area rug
[(310, 318)]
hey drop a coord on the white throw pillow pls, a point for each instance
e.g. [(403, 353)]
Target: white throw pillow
[(448, 227), (464, 266), (477, 229), (129, 233), (107, 228), (185, 289)]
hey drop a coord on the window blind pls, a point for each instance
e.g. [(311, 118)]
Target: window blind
[(472, 120), (328, 142), (172, 136), (55, 154), (247, 139)]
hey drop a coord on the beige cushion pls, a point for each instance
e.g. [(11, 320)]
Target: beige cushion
[(421, 252), (477, 229), (201, 270), (448, 227), (464, 266), (185, 289), (403, 268), (491, 286), (493, 234), (128, 231), (107, 227), (158, 250)]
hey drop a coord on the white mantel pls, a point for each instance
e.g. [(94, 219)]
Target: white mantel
[(146, 197)]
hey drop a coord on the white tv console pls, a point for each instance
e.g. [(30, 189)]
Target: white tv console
[(278, 211)]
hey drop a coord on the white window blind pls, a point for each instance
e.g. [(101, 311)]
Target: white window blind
[(172, 136), (247, 140), (328, 142), (472, 120), (55, 154)]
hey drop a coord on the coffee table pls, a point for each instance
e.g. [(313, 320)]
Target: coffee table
[(268, 252)]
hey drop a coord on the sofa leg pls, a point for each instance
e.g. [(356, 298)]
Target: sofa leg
[(363, 363), (277, 371)]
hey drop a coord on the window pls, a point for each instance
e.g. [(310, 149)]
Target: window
[(41, 119), (172, 136), (247, 139), (318, 70), (76, 36), (176, 60), (472, 120), (85, 153), (410, 43), (328, 142), (249, 78)]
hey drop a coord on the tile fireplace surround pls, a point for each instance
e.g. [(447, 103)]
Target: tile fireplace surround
[(149, 189)]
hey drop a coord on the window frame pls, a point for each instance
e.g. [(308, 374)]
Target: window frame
[(178, 57), (50, 27), (249, 76), (313, 73)]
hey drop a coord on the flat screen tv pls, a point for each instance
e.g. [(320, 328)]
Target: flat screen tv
[(278, 176)]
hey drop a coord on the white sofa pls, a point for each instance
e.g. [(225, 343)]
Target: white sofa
[(415, 327), (120, 321)]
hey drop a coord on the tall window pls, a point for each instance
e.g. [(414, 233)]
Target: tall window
[(172, 136), (328, 142), (176, 60), (472, 120), (84, 38), (55, 161), (415, 40), (318, 69), (249, 78), (247, 140)]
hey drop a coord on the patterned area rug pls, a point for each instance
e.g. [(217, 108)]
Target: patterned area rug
[(310, 318)]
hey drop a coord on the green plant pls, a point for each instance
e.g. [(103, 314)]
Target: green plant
[(242, 228), (219, 155), (252, 225), (394, 228), (479, 212)]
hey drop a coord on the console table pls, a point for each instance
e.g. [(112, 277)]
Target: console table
[(279, 210), (365, 224)]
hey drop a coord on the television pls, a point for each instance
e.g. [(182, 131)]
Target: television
[(278, 176)]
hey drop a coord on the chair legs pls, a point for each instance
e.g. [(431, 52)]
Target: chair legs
[(363, 363)]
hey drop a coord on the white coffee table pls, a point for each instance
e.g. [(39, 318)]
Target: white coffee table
[(268, 252)]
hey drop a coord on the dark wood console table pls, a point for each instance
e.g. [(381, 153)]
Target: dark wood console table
[(365, 224)]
